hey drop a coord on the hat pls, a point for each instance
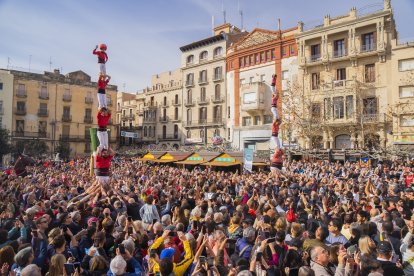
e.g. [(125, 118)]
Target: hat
[(167, 253), (384, 247)]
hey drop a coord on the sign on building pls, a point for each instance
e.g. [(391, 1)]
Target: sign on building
[(129, 134), (248, 159)]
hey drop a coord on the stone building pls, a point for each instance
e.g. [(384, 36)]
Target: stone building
[(57, 108), (128, 117)]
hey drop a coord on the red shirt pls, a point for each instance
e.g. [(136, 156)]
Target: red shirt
[(103, 120), (102, 56), (275, 128), (103, 163), (278, 156), (274, 101), (409, 180), (274, 80), (102, 83)]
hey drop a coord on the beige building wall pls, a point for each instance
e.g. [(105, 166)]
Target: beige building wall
[(402, 94), (6, 99), (343, 81), (54, 107)]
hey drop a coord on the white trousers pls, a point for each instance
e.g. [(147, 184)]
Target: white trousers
[(101, 100), (103, 139), (274, 143), (102, 68), (103, 179), (273, 88), (275, 113)]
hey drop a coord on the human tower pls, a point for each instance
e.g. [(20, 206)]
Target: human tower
[(276, 159)]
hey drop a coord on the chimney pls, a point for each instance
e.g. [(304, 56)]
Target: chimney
[(278, 24), (327, 20)]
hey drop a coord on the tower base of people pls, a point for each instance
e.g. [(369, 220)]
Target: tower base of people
[(94, 146)]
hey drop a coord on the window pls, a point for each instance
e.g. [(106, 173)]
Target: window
[(315, 52), (284, 51), (176, 113), (251, 80), (256, 58), (316, 110), (327, 108), (292, 49), (202, 115), (42, 127), (247, 121), (190, 59), (241, 64), (43, 108), (267, 119), (217, 92), (188, 133), (228, 134), (21, 106), (406, 91), (203, 76), (257, 120), (145, 131), (176, 99), (341, 74), (268, 57), (249, 97), (164, 131), (370, 73), (315, 81), (339, 48), (406, 64), (175, 131), (218, 73), (189, 96), (65, 130), (1, 86), (203, 55), (203, 94), (88, 113), (272, 53), (242, 81), (20, 126), (251, 59), (407, 120), (349, 106), (190, 79), (189, 115), (262, 57), (66, 111), (228, 112), (218, 52), (43, 92), (246, 61), (368, 42), (285, 75), (21, 90), (217, 113), (370, 106), (338, 105)]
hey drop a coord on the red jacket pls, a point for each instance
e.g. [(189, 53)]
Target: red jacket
[(102, 83), (103, 163), (102, 56), (277, 156), (275, 128), (274, 100), (103, 120)]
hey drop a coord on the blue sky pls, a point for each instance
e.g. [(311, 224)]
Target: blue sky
[(144, 36)]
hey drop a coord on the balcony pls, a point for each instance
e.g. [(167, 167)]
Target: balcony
[(169, 137), (315, 58), (27, 134), (339, 53), (189, 102), (189, 83), (128, 117), (253, 96), (43, 113), (202, 81), (149, 120), (218, 77), (340, 85), (203, 101), (373, 118), (88, 100), (66, 118), (204, 122), (176, 119), (366, 48), (150, 105), (67, 98), (20, 111), (21, 93), (218, 99), (164, 119), (176, 103), (88, 119), (43, 95)]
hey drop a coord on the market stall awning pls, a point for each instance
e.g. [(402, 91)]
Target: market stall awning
[(224, 160), (198, 158), (151, 156), (172, 156)]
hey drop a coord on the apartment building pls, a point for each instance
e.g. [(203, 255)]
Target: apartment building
[(6, 99), (128, 117), (53, 107), (343, 81), (251, 62), (203, 65), (162, 110), (402, 93)]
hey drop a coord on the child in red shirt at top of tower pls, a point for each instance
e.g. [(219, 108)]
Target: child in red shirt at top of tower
[(103, 117), (102, 57)]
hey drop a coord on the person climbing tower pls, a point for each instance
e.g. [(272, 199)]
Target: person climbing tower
[(102, 57)]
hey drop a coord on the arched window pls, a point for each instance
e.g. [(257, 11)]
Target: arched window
[(164, 114), (188, 133), (145, 131), (217, 92), (190, 59), (176, 113), (217, 112), (218, 52), (203, 55), (176, 98), (218, 73), (165, 101), (203, 94), (150, 131), (164, 132), (189, 116), (202, 116), (203, 76), (175, 131)]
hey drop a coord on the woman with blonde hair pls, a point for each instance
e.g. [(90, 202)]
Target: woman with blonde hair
[(281, 224), (57, 265), (367, 246)]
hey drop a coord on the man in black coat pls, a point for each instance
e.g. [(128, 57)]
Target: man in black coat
[(384, 250)]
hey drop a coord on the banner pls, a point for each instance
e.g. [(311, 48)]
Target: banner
[(248, 159), (129, 134)]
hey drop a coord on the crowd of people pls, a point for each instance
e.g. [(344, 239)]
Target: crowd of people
[(308, 218)]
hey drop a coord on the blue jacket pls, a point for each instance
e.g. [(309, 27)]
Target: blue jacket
[(132, 263), (242, 244)]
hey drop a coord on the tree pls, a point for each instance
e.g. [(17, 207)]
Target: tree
[(5, 146), (63, 148), (35, 147)]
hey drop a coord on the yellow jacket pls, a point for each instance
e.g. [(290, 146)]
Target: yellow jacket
[(179, 268)]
